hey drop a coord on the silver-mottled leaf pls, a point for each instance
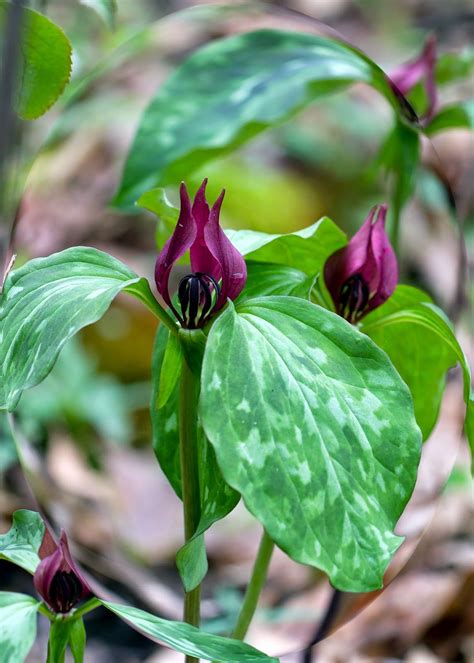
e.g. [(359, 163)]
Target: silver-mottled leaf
[(17, 626), (188, 639), (22, 542), (316, 430), (48, 300)]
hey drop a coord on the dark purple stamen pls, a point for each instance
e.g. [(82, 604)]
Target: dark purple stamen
[(65, 591), (197, 294), (353, 298)]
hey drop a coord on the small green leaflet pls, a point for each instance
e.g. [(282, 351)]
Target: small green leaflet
[(455, 116), (316, 431), (455, 66), (188, 639), (410, 320), (398, 157), (217, 498), (47, 301), (21, 543), (45, 64), (17, 626), (264, 279), (229, 91), (106, 9), (63, 633), (58, 641), (77, 640), (156, 201)]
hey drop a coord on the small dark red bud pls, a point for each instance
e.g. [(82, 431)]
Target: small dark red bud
[(57, 579)]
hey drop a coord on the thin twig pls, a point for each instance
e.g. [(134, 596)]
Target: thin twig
[(324, 626)]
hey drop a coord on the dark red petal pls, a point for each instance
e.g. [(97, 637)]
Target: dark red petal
[(388, 265), (48, 545), (371, 271), (179, 242), (407, 75), (349, 260), (68, 564), (45, 573), (202, 259), (231, 263)]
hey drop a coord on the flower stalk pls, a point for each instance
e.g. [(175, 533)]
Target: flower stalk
[(188, 402), (255, 586)]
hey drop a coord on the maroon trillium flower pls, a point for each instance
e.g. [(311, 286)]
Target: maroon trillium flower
[(362, 275), (57, 579), (218, 270), (421, 68)]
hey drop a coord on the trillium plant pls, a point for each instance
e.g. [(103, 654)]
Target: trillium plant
[(286, 367)]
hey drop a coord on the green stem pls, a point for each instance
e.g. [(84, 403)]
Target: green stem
[(257, 580), (142, 292), (89, 605), (188, 404)]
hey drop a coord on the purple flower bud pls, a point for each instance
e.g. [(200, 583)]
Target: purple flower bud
[(362, 275), (57, 579), (422, 68), (218, 270)]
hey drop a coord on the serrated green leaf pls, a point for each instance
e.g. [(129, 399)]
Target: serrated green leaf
[(47, 301), (420, 341), (229, 91), (316, 431), (456, 116), (188, 639), (106, 9), (306, 249), (21, 543), (45, 62), (17, 626), (217, 498)]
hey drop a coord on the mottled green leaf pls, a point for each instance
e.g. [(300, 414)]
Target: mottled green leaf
[(21, 543), (45, 62), (17, 626), (456, 116), (188, 639), (316, 431), (106, 9), (217, 498), (420, 342), (306, 249), (47, 301), (229, 91)]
